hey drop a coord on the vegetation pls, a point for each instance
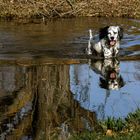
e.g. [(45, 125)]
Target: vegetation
[(15, 9), (127, 129)]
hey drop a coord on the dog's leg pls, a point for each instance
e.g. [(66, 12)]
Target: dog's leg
[(88, 49), (115, 52)]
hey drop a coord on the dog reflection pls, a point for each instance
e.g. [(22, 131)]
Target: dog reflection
[(109, 70)]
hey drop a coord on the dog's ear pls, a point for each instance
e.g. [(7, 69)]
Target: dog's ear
[(103, 83), (121, 82), (103, 32), (120, 32)]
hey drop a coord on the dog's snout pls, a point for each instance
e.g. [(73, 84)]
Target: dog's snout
[(112, 38)]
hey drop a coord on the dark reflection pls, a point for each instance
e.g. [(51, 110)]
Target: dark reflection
[(57, 114), (109, 70), (15, 102), (39, 104)]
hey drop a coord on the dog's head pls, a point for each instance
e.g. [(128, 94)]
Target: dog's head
[(112, 34), (111, 78), (113, 81)]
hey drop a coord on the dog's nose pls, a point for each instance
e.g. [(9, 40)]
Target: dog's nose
[(112, 38)]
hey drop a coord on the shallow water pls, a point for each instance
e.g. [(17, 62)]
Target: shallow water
[(49, 89)]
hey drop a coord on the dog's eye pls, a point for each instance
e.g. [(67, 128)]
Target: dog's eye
[(115, 32)]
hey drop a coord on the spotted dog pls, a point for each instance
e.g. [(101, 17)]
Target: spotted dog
[(108, 44)]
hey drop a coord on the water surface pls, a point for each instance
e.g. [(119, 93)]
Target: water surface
[(49, 89)]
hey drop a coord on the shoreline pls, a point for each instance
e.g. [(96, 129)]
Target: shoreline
[(30, 9)]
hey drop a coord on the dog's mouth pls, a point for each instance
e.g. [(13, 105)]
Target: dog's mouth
[(112, 75), (112, 42)]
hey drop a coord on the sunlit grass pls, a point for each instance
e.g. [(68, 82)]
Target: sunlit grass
[(115, 129)]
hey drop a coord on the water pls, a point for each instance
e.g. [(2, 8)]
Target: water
[(49, 89), (94, 95)]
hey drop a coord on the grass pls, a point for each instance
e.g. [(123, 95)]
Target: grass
[(95, 136), (27, 9), (115, 129)]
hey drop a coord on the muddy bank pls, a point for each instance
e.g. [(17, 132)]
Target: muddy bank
[(15, 9)]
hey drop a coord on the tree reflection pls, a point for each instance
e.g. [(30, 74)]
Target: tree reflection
[(42, 106), (58, 115)]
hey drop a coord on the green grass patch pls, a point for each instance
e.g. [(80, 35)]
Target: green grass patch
[(114, 129)]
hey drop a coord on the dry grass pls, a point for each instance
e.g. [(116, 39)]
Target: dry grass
[(69, 8)]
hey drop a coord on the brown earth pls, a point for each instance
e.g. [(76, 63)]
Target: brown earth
[(27, 9)]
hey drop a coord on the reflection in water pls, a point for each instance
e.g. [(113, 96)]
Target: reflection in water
[(109, 70), (40, 105), (15, 102), (106, 87), (53, 101)]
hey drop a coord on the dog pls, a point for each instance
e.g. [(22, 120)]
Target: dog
[(108, 44), (110, 73)]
